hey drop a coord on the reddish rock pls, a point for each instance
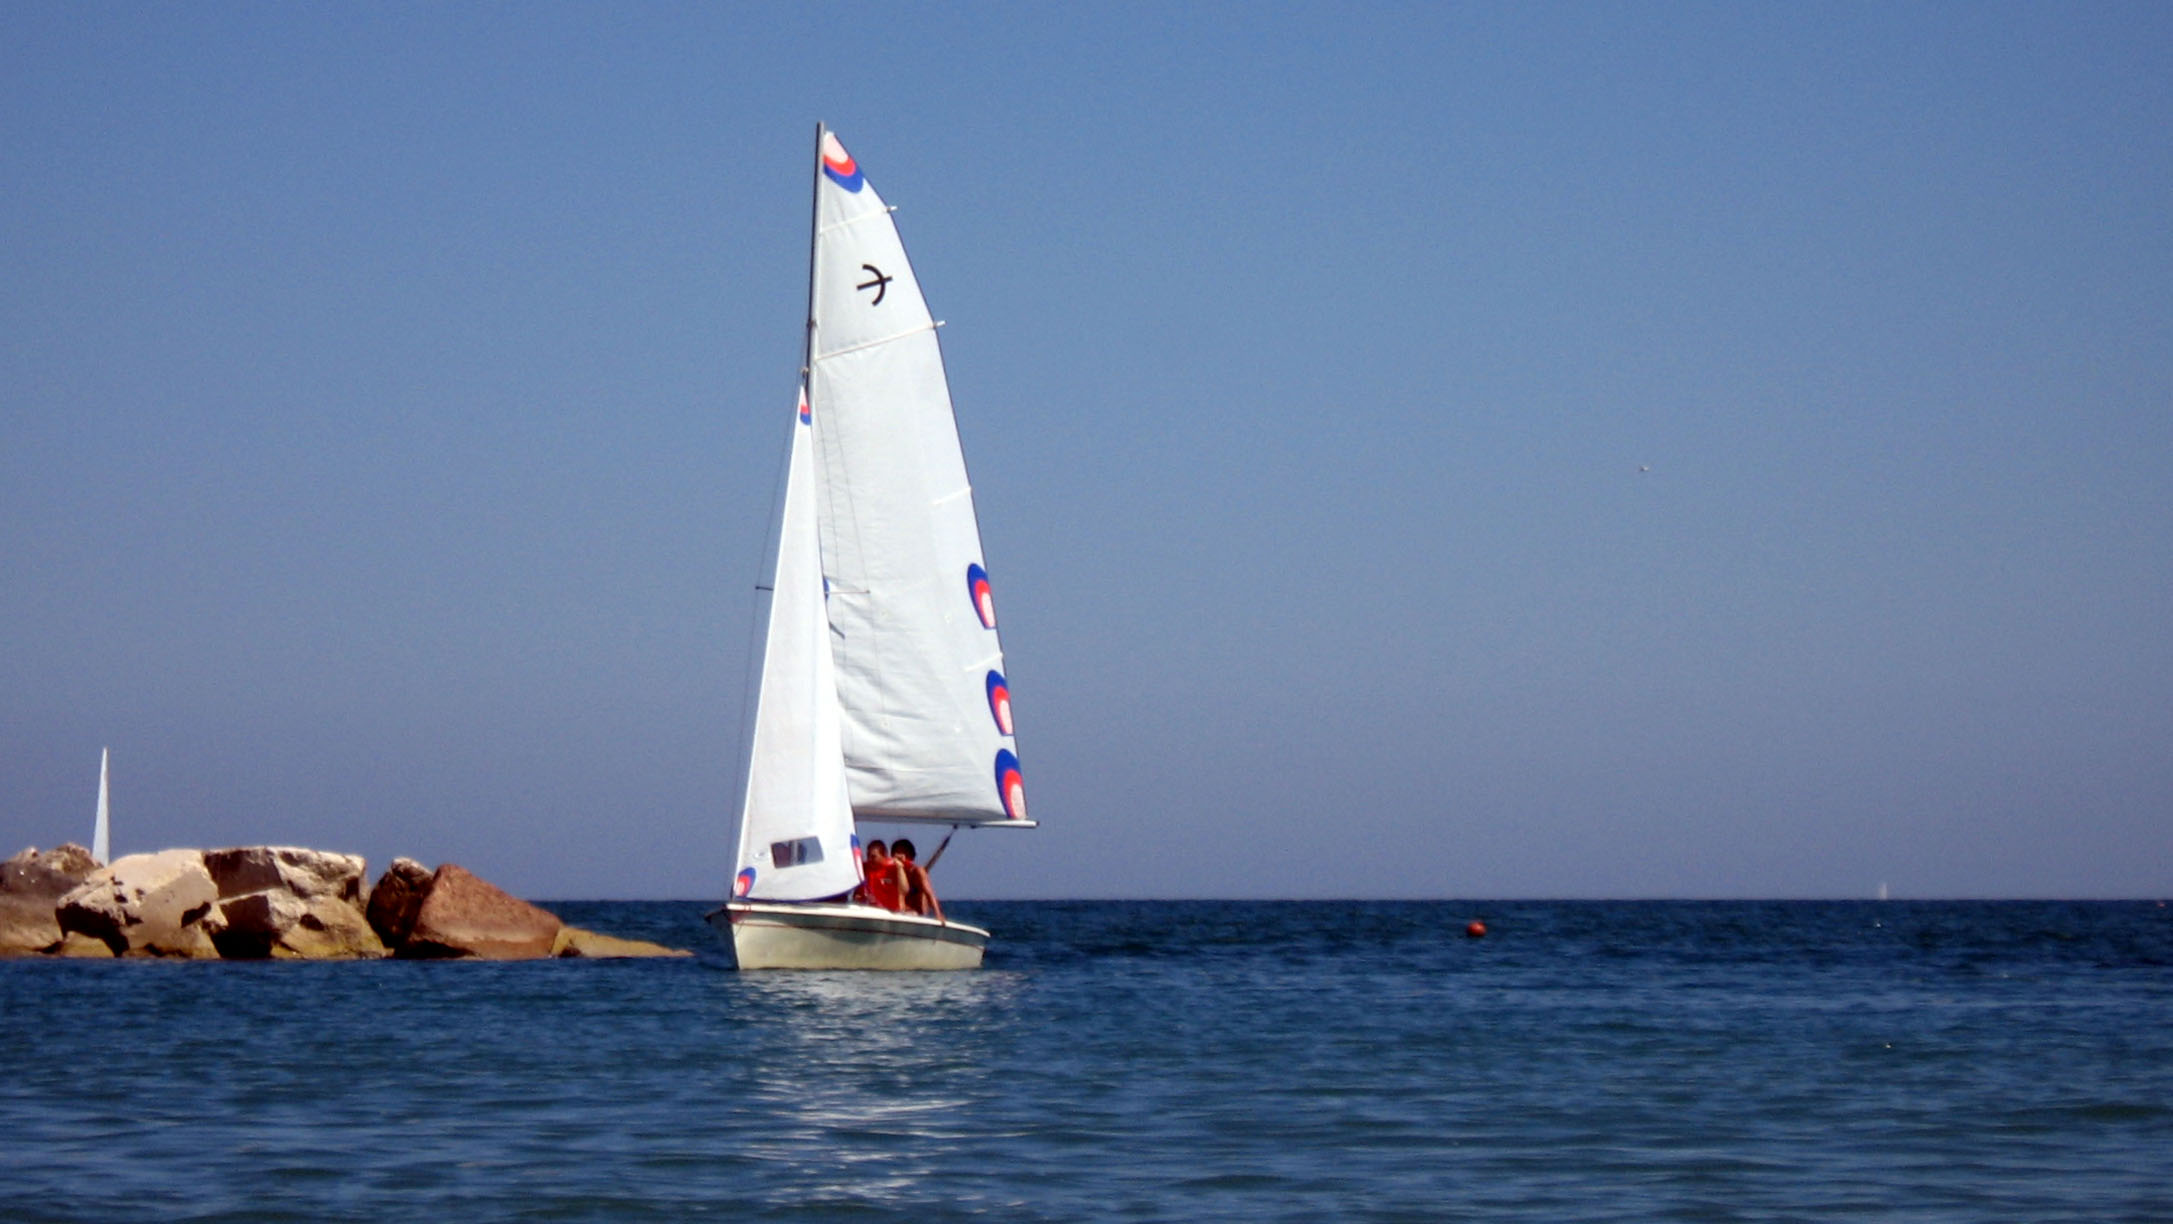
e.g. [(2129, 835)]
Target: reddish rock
[(399, 893), (463, 915)]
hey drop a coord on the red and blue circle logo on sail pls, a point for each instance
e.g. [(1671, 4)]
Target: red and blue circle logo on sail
[(999, 702), (1010, 784), (984, 603), (744, 882), (805, 415), (839, 164)]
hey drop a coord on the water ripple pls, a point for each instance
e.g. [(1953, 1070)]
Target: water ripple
[(1140, 1061)]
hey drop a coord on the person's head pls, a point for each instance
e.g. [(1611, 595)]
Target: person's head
[(904, 849), (876, 849)]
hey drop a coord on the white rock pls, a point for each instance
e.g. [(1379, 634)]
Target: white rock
[(294, 869), (145, 905), (277, 924)]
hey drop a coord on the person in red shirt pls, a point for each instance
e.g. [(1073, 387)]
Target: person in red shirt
[(885, 884)]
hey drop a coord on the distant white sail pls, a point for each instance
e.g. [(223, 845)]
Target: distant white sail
[(927, 720), (99, 829), (796, 838)]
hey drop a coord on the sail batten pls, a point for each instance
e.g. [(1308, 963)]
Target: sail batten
[(856, 219)]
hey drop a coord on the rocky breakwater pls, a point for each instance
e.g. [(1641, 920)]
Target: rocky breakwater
[(275, 902)]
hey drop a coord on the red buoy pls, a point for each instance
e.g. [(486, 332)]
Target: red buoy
[(1477, 930)]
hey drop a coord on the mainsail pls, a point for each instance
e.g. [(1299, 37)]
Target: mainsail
[(926, 722)]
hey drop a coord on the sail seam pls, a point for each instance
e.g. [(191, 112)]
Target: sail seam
[(857, 218), (865, 344)]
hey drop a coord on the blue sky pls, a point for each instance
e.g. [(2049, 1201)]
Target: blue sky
[(390, 399)]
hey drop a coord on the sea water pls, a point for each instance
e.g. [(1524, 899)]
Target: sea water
[(1139, 1061)]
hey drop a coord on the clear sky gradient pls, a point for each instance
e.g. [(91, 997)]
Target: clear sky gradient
[(391, 398)]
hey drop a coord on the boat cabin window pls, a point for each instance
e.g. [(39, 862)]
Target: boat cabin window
[(796, 852)]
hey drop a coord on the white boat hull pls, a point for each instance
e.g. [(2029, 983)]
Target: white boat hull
[(817, 935)]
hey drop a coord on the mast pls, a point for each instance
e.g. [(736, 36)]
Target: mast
[(814, 226)]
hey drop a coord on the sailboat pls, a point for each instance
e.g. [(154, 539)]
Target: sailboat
[(98, 828), (882, 695)]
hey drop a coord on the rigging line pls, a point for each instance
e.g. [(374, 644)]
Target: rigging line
[(854, 348)]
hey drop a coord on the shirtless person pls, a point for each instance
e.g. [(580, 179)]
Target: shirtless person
[(920, 897)]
